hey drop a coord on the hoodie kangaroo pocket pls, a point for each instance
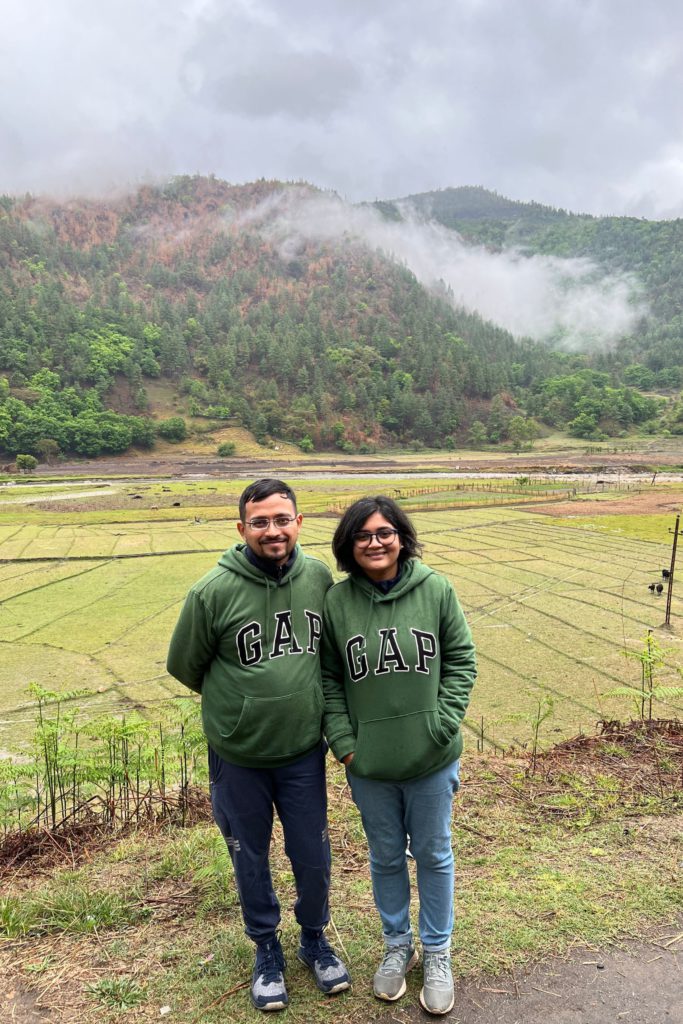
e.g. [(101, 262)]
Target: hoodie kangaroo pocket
[(398, 748), (276, 727)]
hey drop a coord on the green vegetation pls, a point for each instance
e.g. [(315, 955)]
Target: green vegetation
[(26, 463), (152, 921), (652, 527), (173, 429), (653, 659), (74, 907), (596, 854), (89, 598), (112, 771), (648, 359), (338, 349), (117, 993)]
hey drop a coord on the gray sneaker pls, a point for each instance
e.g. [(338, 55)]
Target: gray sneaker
[(390, 978), (268, 990), (331, 976), (437, 995)]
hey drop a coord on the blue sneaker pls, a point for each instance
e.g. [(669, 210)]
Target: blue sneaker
[(268, 990), (331, 976)]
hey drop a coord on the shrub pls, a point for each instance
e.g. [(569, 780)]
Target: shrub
[(26, 463), (172, 429)]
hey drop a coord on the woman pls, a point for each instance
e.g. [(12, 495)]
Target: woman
[(398, 667)]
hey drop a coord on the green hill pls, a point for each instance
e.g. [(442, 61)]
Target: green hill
[(324, 342), (652, 250)]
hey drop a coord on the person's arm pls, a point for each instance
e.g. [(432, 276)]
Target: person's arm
[(458, 664), (192, 644), (337, 723)]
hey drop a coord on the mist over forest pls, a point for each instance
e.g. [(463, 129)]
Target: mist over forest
[(434, 320)]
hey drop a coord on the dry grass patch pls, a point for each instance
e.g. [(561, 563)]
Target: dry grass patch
[(581, 850)]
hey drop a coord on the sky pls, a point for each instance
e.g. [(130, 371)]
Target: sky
[(572, 103)]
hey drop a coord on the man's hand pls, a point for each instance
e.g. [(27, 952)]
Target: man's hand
[(347, 759)]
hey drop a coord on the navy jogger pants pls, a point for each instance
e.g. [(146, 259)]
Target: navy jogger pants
[(243, 801)]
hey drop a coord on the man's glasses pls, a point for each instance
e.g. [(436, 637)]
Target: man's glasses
[(263, 522), (384, 535)]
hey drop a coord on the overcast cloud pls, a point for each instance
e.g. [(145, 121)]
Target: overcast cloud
[(574, 103)]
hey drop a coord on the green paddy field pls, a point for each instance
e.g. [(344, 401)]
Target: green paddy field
[(92, 578)]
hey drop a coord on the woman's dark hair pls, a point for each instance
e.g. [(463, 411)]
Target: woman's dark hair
[(353, 521), (262, 489)]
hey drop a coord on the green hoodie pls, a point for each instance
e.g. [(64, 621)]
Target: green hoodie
[(249, 644), (397, 670)]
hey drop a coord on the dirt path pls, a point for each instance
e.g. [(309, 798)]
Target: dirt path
[(639, 984)]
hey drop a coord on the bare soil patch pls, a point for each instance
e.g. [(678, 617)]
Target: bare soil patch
[(640, 982), (182, 462), (40, 850), (645, 503)]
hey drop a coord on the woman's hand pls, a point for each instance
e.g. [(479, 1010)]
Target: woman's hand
[(348, 759)]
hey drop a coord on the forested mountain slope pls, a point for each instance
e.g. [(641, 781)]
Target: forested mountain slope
[(325, 342), (652, 250)]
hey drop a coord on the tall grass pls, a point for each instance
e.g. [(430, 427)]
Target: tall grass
[(112, 771)]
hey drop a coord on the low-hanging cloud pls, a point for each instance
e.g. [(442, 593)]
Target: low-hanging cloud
[(571, 302), (568, 104)]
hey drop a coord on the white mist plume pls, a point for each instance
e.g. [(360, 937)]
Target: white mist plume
[(570, 301)]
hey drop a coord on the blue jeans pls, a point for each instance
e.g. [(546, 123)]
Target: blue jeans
[(243, 801), (421, 809)]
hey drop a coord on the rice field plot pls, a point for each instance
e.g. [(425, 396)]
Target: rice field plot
[(99, 613), (552, 609)]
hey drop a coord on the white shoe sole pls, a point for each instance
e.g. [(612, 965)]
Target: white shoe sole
[(269, 1007), (343, 986), (392, 999), (436, 1013)]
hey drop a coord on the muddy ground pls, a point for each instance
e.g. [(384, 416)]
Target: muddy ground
[(655, 458), (640, 982)]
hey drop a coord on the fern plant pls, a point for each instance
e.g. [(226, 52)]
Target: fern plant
[(652, 658)]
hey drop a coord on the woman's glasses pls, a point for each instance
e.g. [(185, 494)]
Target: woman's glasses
[(384, 535), (263, 522)]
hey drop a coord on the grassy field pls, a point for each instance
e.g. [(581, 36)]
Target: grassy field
[(573, 850), (89, 596)]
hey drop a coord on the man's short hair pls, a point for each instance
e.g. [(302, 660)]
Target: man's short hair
[(261, 489)]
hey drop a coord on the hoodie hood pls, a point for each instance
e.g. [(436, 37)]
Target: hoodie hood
[(413, 573), (235, 559)]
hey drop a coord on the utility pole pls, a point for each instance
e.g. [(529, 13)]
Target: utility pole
[(669, 593)]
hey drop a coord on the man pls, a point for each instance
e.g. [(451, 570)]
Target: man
[(247, 639)]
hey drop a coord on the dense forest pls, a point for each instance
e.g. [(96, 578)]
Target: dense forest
[(327, 344)]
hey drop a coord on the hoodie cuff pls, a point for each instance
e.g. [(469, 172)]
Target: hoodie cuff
[(343, 748)]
